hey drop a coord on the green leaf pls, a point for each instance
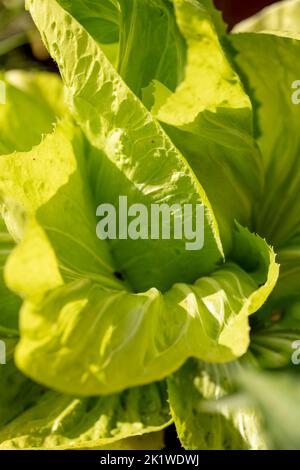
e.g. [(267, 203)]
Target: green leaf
[(280, 18), (289, 279), (9, 302), (216, 15), (162, 57), (276, 397), (136, 155), (59, 218), (208, 319), (277, 213), (272, 348), (70, 285), (17, 392), (273, 339), (278, 210), (39, 97), (227, 429), (211, 309), (56, 421), (100, 19), (150, 23), (209, 118), (150, 441), (67, 277)]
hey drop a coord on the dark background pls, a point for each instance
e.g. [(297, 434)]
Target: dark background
[(237, 10)]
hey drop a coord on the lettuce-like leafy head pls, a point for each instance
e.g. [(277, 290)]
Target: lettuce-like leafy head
[(107, 321)]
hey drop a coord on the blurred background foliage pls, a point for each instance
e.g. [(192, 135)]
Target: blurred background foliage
[(20, 43), (22, 48)]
